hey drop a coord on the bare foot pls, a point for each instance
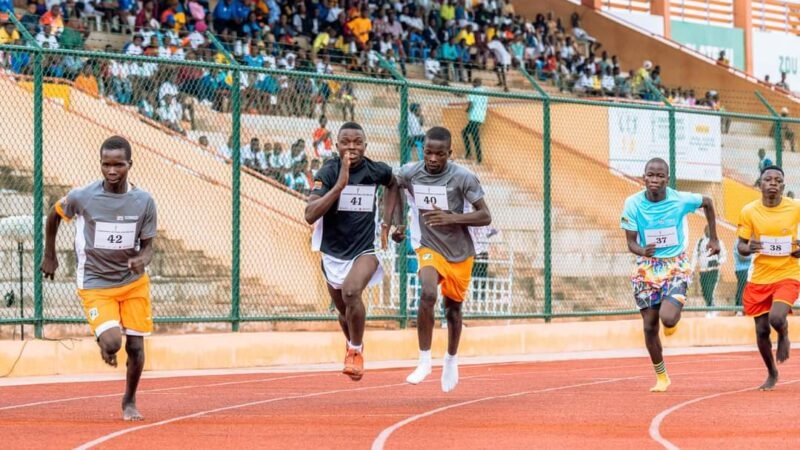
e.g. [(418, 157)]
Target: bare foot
[(111, 360), (130, 413), (784, 345), (770, 383)]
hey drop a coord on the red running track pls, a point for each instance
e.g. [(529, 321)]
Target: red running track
[(569, 404)]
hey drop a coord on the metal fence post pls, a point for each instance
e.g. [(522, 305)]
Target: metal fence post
[(777, 129), (546, 194)]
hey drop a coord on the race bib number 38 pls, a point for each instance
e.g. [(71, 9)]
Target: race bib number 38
[(427, 197), (114, 236), (357, 198), (776, 245), (662, 237)]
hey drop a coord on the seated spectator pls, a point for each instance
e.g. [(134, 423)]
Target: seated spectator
[(607, 83), (248, 153), (87, 82), (148, 16), (31, 18), (9, 34), (416, 134), (170, 113), (361, 25), (783, 84), (54, 19), (225, 151), (147, 106), (224, 17), (202, 141), (722, 59), (47, 36), (433, 69), (323, 140), (584, 84), (277, 162), (315, 165), (297, 180), (347, 100)]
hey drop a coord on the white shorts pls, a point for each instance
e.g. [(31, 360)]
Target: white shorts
[(336, 270)]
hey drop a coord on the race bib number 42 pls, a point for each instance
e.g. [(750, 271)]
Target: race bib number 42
[(427, 197), (776, 245), (662, 237), (356, 198), (114, 236)]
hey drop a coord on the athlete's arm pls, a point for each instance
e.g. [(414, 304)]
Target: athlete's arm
[(390, 200), (633, 245), (711, 217), (477, 218), (318, 205), (142, 260), (399, 233), (747, 247), (50, 260)]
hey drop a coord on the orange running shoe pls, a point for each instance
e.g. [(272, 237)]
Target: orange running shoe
[(354, 364)]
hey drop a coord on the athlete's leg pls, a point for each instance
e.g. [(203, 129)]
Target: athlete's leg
[(650, 319), (765, 348), (429, 280), (454, 323), (777, 319), (341, 309), (672, 301), (361, 273), (134, 347), (110, 341)]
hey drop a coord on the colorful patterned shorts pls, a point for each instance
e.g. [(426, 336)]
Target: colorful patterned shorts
[(661, 278)]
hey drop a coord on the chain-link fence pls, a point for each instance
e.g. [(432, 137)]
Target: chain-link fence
[(229, 152)]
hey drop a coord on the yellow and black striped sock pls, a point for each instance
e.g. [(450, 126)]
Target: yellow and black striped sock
[(661, 369)]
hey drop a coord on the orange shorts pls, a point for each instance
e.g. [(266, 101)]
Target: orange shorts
[(454, 277), (758, 298), (124, 306)]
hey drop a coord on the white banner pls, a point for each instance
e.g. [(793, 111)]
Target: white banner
[(774, 53), (636, 135)]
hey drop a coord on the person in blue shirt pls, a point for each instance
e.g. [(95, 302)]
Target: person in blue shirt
[(476, 113), (742, 268), (656, 230), (224, 16)]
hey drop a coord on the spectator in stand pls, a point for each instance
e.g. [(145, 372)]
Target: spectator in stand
[(9, 34), (416, 132), (87, 82), (433, 69), (225, 151), (763, 161), (46, 36), (322, 140), (147, 106), (224, 17), (54, 19), (786, 130), (248, 154), (315, 165), (148, 16), (709, 268), (476, 113), (31, 18), (608, 83), (783, 84), (582, 36), (276, 162), (742, 268), (502, 61), (722, 59), (203, 142), (360, 25), (347, 101), (170, 113)]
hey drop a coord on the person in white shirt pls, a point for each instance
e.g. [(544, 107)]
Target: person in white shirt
[(584, 83), (709, 268), (502, 59), (607, 82), (433, 69), (480, 269), (167, 88), (135, 47), (46, 36)]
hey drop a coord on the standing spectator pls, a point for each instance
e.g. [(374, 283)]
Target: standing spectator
[(87, 82), (582, 36), (709, 268), (502, 61), (783, 84), (224, 17), (480, 269), (476, 112), (360, 25), (763, 162), (742, 267), (722, 59), (787, 133), (322, 140), (416, 134), (347, 101)]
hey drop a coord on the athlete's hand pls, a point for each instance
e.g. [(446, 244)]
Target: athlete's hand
[(49, 266), (650, 250), (796, 253), (399, 233), (755, 246), (136, 264), (713, 247), (344, 171), (438, 217)]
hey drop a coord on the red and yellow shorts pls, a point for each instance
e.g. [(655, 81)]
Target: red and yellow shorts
[(758, 298), (454, 277), (124, 306)]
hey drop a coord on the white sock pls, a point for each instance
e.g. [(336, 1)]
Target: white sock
[(449, 372), (358, 348), (423, 368)]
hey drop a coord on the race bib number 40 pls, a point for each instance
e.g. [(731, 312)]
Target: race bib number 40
[(427, 197), (662, 237), (114, 236), (776, 245), (357, 198)]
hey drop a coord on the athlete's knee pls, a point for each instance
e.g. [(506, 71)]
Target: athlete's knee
[(762, 328), (777, 320), (670, 321), (110, 341), (351, 294), (427, 297), (650, 328), (134, 347), (453, 312)]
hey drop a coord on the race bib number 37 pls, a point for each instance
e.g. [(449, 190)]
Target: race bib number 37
[(776, 245), (114, 236), (357, 198), (427, 197), (662, 237)]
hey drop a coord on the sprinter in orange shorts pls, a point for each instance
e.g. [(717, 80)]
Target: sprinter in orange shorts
[(115, 227), (437, 191), (768, 230)]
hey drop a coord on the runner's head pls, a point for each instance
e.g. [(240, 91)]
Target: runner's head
[(772, 182), (115, 160), (656, 175), (436, 150), (351, 142)]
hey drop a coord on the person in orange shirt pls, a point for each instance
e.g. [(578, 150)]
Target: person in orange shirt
[(768, 230), (360, 25), (87, 82), (54, 19)]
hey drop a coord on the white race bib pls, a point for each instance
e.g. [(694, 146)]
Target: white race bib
[(357, 198), (427, 197), (114, 236), (662, 237), (776, 245)]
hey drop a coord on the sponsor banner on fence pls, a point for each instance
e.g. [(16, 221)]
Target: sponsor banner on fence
[(636, 136)]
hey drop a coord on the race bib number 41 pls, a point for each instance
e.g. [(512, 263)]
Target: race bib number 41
[(114, 236), (776, 245), (356, 198), (662, 237), (427, 197)]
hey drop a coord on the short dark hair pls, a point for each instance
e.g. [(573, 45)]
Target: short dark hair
[(351, 126), (772, 167), (117, 143), (439, 134), (656, 160)]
